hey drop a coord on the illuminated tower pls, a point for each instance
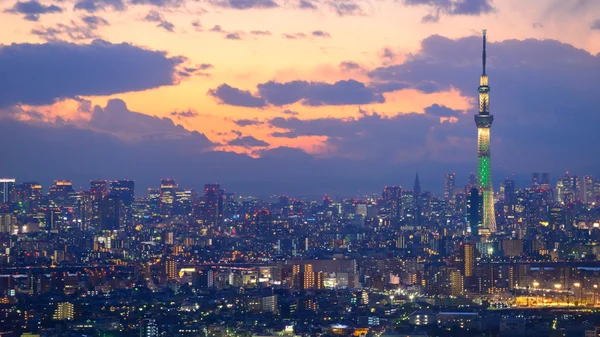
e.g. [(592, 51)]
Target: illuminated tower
[(484, 120)]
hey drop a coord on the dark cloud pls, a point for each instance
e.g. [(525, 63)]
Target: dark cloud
[(166, 25), (290, 112), (94, 21), (348, 92), (294, 36), (247, 122), (537, 25), (233, 36), (185, 114), (442, 111), (226, 94), (61, 32), (158, 3), (320, 33), (319, 93), (372, 136), (33, 9), (349, 66), (155, 16), (244, 4), (38, 74), (260, 32), (197, 25), (387, 56), (248, 141), (216, 28), (453, 7), (346, 7), (529, 80), (306, 4), (92, 6), (595, 25), (116, 119), (431, 18)]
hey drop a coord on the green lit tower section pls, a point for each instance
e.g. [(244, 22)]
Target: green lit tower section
[(484, 120)]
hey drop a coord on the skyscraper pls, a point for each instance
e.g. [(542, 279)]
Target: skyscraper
[(392, 201), (484, 120), (125, 189), (449, 186), (6, 187), (213, 207), (535, 180)]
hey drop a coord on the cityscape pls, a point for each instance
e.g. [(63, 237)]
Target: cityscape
[(264, 190), (103, 260)]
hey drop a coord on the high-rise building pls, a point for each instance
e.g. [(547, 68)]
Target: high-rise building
[(449, 182), (213, 207), (171, 269), (510, 197), (64, 311), (59, 192), (392, 201), (148, 328), (467, 251), (125, 189), (474, 211), (168, 194), (6, 188), (484, 120), (99, 188), (588, 189), (545, 184), (110, 212), (535, 180)]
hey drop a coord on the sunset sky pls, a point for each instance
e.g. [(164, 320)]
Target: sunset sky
[(295, 96)]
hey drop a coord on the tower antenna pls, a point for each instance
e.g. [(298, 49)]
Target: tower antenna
[(484, 55)]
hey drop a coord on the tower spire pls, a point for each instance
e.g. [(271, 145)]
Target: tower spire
[(484, 55)]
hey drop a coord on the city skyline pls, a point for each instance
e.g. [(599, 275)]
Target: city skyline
[(402, 101)]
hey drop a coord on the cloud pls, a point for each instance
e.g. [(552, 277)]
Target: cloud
[(159, 3), (217, 29), (247, 122), (595, 25), (442, 111), (185, 114), (62, 32), (405, 137), (248, 141), (349, 66), (529, 80), (226, 94), (320, 33), (197, 25), (33, 9), (94, 21), (431, 18), (92, 6), (233, 36), (306, 4), (38, 74), (155, 16), (294, 36), (537, 25), (345, 7), (260, 32), (453, 7), (244, 4), (348, 92), (319, 93)]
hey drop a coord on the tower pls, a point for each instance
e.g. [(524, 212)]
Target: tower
[(484, 120)]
